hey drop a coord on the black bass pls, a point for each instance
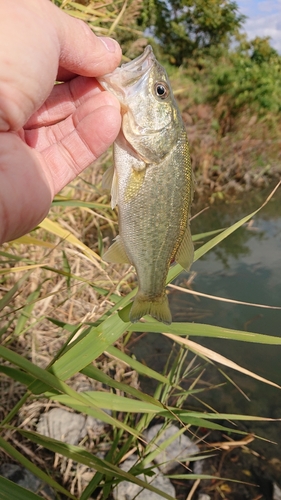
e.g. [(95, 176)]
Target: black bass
[(151, 182)]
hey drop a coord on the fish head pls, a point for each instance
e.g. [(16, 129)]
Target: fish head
[(151, 122)]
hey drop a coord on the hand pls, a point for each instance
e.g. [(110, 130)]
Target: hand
[(49, 133)]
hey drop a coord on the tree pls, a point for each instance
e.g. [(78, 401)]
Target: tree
[(186, 27)]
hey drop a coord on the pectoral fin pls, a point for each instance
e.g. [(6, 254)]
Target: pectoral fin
[(116, 253), (185, 253), (109, 182)]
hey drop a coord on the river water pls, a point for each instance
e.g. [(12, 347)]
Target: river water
[(245, 267)]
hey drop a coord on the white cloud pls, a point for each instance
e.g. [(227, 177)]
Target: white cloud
[(268, 6), (265, 26), (264, 19)]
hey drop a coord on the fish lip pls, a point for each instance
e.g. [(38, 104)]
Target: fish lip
[(125, 80), (146, 58)]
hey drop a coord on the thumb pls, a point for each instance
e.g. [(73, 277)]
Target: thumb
[(36, 37), (82, 52)]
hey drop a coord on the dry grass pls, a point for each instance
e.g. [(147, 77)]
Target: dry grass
[(67, 300), (76, 288)]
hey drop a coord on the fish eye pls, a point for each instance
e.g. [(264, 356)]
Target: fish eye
[(161, 90)]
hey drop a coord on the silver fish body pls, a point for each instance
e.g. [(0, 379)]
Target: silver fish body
[(151, 182)]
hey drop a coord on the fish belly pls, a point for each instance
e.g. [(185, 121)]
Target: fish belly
[(154, 204)]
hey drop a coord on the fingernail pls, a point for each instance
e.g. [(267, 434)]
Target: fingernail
[(109, 43)]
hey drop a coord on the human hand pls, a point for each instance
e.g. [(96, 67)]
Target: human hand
[(48, 134)]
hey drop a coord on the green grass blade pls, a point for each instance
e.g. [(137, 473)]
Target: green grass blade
[(27, 311), (10, 490), (89, 347), (80, 204), (10, 450), (17, 375), (193, 477), (6, 299), (136, 365), (82, 456), (207, 234), (202, 330), (206, 353), (77, 399), (96, 374), (157, 449), (114, 402)]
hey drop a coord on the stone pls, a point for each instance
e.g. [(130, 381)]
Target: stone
[(178, 451), (24, 478), (68, 427), (129, 491), (276, 492)]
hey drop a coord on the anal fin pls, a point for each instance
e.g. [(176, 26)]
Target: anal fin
[(116, 253), (185, 253)]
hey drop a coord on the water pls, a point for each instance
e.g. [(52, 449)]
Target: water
[(245, 267)]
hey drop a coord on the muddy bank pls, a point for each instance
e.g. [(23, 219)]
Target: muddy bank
[(229, 157)]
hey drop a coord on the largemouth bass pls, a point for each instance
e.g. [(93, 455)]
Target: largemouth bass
[(151, 182)]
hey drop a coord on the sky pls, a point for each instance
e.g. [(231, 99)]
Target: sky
[(264, 19)]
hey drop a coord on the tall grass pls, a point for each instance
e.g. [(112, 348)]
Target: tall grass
[(64, 314), (64, 324)]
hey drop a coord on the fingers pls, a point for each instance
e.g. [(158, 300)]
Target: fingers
[(71, 145), (63, 101), (25, 193), (30, 177), (82, 52), (44, 40), (29, 55), (60, 126)]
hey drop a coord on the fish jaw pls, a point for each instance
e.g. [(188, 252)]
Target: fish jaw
[(152, 183), (125, 81), (151, 123)]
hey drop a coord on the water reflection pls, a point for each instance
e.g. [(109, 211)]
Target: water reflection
[(245, 267)]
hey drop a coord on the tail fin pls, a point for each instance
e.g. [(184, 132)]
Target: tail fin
[(158, 308)]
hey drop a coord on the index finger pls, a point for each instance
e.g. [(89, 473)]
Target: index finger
[(64, 99)]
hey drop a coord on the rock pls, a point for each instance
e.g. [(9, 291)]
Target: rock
[(27, 480), (68, 427), (178, 451), (129, 491), (276, 492)]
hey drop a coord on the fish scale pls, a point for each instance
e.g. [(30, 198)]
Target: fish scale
[(140, 221), (151, 182)]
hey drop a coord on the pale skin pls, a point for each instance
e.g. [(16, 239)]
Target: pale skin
[(49, 133)]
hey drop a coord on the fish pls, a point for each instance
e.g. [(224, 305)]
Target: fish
[(151, 181)]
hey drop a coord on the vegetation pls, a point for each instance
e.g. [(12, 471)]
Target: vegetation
[(64, 313), (188, 29)]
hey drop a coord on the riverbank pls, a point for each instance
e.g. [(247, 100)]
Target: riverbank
[(245, 154), (71, 287)]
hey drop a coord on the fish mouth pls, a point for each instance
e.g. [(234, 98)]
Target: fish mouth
[(126, 80)]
